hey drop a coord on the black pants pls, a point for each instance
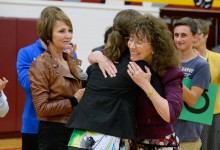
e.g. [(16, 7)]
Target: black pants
[(53, 136), (29, 141)]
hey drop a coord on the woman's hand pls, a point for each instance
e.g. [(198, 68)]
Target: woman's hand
[(105, 64), (71, 49), (107, 67), (79, 94), (138, 75), (3, 83)]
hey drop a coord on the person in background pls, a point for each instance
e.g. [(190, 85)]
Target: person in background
[(210, 134), (101, 48), (26, 56), (160, 103), (4, 108), (197, 69)]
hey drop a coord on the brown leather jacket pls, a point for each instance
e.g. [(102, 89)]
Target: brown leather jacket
[(52, 85)]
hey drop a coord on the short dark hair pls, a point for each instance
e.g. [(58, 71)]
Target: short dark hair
[(188, 22)]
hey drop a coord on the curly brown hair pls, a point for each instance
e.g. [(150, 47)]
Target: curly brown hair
[(157, 33)]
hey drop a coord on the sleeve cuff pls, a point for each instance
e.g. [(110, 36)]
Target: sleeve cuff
[(73, 101)]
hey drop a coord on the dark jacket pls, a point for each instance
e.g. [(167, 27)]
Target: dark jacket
[(52, 85), (149, 123), (109, 104)]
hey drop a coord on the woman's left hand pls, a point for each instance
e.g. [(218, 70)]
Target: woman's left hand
[(138, 75)]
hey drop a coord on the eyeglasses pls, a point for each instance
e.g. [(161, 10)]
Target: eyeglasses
[(137, 43)]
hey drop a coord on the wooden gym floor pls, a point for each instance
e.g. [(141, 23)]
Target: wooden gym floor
[(10, 144)]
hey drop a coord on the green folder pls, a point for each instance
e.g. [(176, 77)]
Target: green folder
[(202, 111)]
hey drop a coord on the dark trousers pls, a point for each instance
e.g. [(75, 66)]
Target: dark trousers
[(53, 136), (211, 135), (29, 141)]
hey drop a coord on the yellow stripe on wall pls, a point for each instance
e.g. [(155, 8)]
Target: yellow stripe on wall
[(216, 3)]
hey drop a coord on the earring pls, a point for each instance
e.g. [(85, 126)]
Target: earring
[(152, 52)]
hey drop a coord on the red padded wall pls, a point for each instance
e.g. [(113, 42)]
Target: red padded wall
[(14, 34), (8, 70)]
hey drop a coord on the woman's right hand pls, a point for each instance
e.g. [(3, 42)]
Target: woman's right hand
[(79, 94)]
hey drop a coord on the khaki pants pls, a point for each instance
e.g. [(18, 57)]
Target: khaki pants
[(191, 145)]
